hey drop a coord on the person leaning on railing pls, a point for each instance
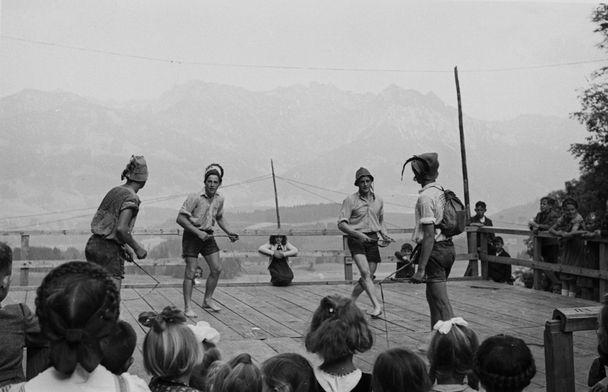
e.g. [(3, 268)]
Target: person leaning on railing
[(549, 247)]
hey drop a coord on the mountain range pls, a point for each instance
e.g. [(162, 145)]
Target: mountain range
[(61, 152)]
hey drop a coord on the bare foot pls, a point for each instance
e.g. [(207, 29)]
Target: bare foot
[(211, 305), (376, 313), (190, 313)]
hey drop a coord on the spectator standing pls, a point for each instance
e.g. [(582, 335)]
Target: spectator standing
[(549, 247), (480, 219), (498, 272)]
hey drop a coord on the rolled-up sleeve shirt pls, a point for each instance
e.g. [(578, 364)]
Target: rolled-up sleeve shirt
[(366, 216), (202, 210), (429, 210)]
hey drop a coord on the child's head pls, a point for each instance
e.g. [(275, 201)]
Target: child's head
[(570, 207), (499, 243), (118, 348), (170, 348), (77, 305), (504, 363), (592, 221), (288, 372), (407, 248), (338, 329), (480, 208), (200, 372), (399, 369), (277, 239), (6, 266), (239, 374), (452, 349)]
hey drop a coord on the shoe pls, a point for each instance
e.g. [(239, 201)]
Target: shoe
[(211, 306), (190, 313)]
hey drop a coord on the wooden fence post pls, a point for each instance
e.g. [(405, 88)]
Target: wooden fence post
[(483, 253), (348, 260), (473, 269), (603, 267), (536, 257), (24, 271), (559, 358)]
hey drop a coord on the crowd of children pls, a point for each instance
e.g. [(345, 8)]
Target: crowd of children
[(86, 347)]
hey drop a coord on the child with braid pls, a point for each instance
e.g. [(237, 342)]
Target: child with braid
[(18, 329), (338, 330), (450, 354), (78, 305), (240, 374), (171, 350), (504, 363)]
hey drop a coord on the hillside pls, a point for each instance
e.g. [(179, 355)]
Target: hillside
[(62, 152)]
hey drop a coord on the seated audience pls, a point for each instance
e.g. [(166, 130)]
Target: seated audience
[(200, 373), (450, 355), (399, 369), (405, 264), (337, 331), (78, 305), (279, 250), (170, 350), (504, 363), (18, 329), (288, 372), (239, 374)]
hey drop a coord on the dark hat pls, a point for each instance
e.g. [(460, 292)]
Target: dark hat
[(362, 172), (425, 165)]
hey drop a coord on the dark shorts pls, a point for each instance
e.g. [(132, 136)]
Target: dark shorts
[(192, 246), (440, 263), (108, 254), (370, 250)]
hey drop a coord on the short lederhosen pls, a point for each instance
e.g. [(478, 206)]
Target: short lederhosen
[(369, 249), (107, 253)]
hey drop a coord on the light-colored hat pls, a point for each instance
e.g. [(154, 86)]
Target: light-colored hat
[(216, 169), (136, 170), (362, 172)]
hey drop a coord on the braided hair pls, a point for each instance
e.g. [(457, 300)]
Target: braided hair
[(77, 305), (504, 363), (338, 329)]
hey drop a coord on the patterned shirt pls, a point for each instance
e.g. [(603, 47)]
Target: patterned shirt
[(202, 210), (118, 199), (366, 216), (429, 210)]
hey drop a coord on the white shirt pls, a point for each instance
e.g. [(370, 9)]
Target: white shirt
[(100, 379)]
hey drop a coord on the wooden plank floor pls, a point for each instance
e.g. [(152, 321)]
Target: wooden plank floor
[(264, 320)]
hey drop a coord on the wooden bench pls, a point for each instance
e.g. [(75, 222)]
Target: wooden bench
[(559, 351)]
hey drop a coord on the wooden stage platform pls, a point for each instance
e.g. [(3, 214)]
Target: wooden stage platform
[(264, 320)]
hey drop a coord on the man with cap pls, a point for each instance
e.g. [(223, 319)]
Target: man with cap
[(362, 219), (437, 253), (114, 220), (198, 215)]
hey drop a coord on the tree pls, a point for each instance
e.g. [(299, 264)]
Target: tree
[(591, 189)]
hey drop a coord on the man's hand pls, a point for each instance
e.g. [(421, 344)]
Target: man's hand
[(233, 237), (203, 235), (364, 238), (387, 238), (418, 277), (601, 386), (141, 253)]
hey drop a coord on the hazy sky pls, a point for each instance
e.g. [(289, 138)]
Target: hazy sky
[(510, 55)]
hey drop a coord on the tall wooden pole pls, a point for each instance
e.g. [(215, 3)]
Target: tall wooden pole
[(463, 152), (276, 197)]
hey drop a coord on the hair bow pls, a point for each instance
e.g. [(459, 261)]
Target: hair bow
[(159, 321), (444, 327)]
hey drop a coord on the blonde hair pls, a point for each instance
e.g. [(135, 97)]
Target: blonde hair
[(172, 352)]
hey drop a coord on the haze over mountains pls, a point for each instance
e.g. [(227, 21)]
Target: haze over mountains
[(62, 152)]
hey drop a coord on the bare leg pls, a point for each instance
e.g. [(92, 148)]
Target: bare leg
[(365, 283), (187, 285), (439, 303), (117, 282), (358, 289), (213, 261)]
